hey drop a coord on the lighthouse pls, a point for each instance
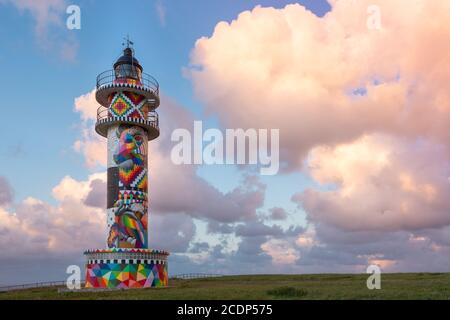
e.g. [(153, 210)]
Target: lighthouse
[(128, 98)]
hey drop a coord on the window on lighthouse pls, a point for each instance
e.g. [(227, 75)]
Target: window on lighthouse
[(128, 71)]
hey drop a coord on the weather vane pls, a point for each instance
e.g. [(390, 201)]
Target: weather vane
[(128, 41)]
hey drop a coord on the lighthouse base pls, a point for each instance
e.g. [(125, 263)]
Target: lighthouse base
[(126, 268)]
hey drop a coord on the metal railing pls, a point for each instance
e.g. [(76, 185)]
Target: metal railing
[(185, 276), (109, 77), (188, 276), (34, 285), (152, 116)]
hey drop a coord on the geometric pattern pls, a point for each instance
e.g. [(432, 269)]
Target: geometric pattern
[(126, 275), (140, 182), (129, 196), (128, 104), (131, 176), (123, 250), (127, 81), (135, 98), (119, 106)]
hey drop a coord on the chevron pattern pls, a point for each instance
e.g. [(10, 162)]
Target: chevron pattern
[(140, 182), (129, 176)]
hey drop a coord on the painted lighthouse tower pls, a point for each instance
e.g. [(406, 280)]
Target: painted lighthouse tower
[(127, 118)]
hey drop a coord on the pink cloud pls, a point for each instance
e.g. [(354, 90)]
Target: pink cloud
[(90, 144), (36, 227), (380, 183), (367, 111), (289, 69)]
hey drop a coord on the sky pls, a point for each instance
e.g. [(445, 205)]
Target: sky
[(358, 90)]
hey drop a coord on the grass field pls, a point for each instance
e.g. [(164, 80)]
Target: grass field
[(324, 286)]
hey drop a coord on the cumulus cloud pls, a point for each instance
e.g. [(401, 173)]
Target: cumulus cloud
[(367, 110), (171, 232), (36, 227), (97, 194), (289, 69), (39, 240), (90, 144), (380, 183)]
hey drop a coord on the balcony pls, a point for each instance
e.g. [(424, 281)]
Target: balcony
[(108, 82), (105, 120)]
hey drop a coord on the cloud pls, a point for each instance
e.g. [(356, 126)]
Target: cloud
[(44, 12), (278, 213), (90, 144), (198, 247), (6, 192), (171, 232), (50, 29), (97, 194), (87, 106), (161, 12), (364, 112), (380, 183), (36, 228), (257, 229), (281, 251), (289, 69), (41, 239)]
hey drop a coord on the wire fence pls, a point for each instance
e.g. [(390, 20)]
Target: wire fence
[(188, 276), (36, 285), (33, 285)]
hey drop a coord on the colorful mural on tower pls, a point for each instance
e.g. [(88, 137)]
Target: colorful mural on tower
[(126, 275), (127, 262), (127, 182), (128, 104)]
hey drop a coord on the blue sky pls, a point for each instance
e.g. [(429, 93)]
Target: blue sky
[(40, 87)]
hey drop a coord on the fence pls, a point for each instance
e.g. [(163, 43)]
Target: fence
[(186, 276)]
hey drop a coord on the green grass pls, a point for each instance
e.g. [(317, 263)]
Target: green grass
[(323, 286)]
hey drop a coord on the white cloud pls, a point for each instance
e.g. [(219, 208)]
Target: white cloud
[(161, 12), (50, 27)]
